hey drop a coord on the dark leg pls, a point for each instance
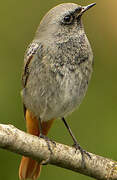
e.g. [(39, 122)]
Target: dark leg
[(76, 144), (47, 141), (45, 137), (40, 126)]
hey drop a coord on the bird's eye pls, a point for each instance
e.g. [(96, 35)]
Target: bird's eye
[(68, 19)]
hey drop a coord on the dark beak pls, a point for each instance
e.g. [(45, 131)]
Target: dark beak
[(85, 8)]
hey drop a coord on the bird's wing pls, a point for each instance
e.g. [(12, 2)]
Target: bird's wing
[(30, 53)]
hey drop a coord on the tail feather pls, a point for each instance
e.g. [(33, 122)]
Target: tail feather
[(37, 171), (29, 168)]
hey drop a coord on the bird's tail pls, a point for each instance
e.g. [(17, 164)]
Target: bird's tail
[(29, 168)]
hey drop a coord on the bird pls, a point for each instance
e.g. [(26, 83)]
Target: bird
[(58, 65)]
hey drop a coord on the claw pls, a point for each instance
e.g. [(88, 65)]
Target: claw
[(47, 139), (78, 147), (46, 161)]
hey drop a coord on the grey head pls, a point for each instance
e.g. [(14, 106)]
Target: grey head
[(62, 19)]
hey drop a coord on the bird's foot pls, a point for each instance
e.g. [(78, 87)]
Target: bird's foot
[(45, 162), (83, 152)]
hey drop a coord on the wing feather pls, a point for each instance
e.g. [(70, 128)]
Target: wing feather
[(30, 52)]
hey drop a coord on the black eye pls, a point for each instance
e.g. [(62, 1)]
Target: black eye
[(68, 19)]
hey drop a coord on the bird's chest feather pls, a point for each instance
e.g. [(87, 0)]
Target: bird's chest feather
[(70, 88)]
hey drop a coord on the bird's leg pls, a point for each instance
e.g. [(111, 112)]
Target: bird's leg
[(76, 144), (44, 162)]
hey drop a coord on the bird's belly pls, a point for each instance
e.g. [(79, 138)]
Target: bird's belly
[(72, 98), (56, 100), (66, 99)]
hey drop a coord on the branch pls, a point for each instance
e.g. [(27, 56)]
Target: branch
[(63, 156)]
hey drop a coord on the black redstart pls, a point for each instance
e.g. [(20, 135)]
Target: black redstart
[(57, 70)]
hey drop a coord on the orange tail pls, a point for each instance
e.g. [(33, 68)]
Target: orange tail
[(29, 168)]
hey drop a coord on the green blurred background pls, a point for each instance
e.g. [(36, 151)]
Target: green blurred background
[(95, 123)]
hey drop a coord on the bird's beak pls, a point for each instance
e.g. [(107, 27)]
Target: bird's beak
[(85, 8)]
